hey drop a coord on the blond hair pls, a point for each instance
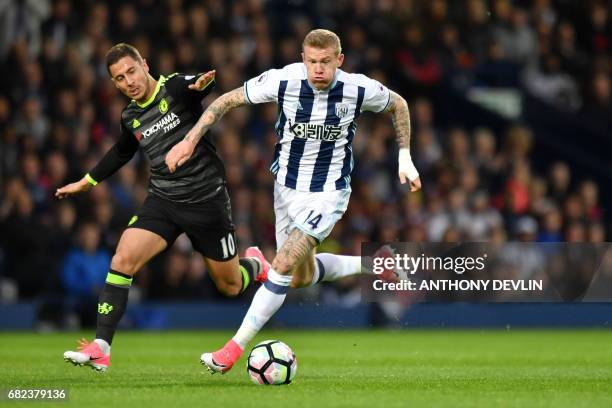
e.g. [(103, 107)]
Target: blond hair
[(321, 38)]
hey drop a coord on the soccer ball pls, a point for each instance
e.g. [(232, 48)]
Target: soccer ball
[(271, 362)]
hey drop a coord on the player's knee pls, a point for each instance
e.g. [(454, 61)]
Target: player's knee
[(229, 288), (124, 264)]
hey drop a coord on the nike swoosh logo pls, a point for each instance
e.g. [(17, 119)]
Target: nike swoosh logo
[(217, 364)]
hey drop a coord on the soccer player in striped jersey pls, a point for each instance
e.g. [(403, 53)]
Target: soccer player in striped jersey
[(318, 107)]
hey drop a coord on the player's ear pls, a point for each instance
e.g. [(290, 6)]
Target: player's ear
[(303, 58), (145, 65), (340, 60)]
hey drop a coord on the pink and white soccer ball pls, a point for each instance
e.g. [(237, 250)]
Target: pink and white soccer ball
[(272, 362)]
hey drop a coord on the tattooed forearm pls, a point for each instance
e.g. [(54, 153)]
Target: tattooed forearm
[(293, 252), (398, 107), (215, 111)]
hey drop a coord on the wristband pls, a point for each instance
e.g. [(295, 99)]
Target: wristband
[(406, 166), (90, 180)]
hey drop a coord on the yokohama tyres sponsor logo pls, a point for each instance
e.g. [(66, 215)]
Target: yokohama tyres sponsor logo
[(166, 123)]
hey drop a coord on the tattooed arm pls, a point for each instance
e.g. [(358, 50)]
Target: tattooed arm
[(293, 252), (215, 111), (182, 151), (398, 107)]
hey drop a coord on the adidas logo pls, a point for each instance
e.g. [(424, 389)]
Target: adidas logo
[(300, 106), (135, 123)]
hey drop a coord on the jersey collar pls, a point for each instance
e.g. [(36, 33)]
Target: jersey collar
[(160, 82)]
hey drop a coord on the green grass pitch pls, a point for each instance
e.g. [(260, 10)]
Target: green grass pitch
[(410, 368)]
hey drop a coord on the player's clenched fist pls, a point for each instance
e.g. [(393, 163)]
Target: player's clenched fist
[(80, 186)]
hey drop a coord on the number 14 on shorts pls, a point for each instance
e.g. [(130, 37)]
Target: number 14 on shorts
[(313, 219)]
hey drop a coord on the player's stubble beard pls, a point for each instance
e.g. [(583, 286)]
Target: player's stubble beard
[(319, 86), (147, 89)]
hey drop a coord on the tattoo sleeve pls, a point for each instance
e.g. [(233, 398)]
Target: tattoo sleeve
[(398, 107), (297, 247), (214, 112)]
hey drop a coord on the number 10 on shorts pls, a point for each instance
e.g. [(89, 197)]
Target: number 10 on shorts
[(228, 246)]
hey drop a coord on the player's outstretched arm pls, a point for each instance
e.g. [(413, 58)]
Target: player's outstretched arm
[(398, 107), (80, 186), (121, 153), (182, 151)]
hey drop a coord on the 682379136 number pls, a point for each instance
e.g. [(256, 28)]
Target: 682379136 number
[(35, 394)]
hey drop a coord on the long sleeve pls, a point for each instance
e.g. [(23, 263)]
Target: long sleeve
[(121, 153)]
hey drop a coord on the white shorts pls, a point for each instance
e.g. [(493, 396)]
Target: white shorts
[(315, 213)]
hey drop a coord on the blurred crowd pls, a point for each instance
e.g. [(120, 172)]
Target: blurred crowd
[(59, 113)]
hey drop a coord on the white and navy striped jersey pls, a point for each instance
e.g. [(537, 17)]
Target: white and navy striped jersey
[(315, 128)]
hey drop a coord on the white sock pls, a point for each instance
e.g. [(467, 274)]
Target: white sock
[(104, 346), (267, 300), (330, 267)]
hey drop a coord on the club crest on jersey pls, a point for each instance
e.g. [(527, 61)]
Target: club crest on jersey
[(163, 105), (341, 110)]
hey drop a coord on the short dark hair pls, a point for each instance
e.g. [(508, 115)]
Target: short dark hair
[(119, 51)]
